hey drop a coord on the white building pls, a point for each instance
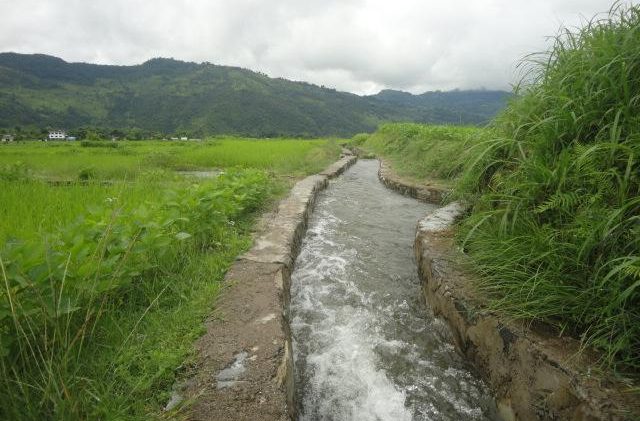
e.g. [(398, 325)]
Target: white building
[(57, 135)]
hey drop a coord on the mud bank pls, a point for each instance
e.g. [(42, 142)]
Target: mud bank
[(244, 367), (534, 374)]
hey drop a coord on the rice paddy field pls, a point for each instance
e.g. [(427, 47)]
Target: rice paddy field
[(111, 255), (90, 173)]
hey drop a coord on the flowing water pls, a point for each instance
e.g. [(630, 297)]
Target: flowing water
[(365, 345)]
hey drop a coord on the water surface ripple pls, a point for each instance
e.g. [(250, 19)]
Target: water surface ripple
[(365, 345)]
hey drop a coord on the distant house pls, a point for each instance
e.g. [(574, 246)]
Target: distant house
[(7, 138), (184, 138), (71, 138), (57, 135)]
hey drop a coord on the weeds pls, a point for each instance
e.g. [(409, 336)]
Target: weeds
[(56, 293)]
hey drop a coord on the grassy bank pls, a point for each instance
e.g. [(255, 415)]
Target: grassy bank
[(554, 183), (420, 151), (105, 285)]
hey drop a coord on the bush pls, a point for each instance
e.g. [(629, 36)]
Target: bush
[(555, 228), (359, 139)]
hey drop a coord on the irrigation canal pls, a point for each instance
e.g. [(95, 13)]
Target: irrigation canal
[(366, 347)]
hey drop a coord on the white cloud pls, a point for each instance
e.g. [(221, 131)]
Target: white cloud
[(355, 45)]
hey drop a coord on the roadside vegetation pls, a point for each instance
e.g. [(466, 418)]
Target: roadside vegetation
[(554, 184), (110, 259)]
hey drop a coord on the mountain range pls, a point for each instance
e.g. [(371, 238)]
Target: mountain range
[(170, 96)]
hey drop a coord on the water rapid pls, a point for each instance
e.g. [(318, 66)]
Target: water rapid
[(366, 347)]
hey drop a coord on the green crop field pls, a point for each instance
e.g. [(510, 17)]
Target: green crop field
[(129, 159), (110, 257)]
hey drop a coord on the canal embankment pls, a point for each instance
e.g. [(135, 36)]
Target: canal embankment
[(534, 373)]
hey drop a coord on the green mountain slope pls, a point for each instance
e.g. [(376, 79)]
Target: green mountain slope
[(168, 96), (475, 106)]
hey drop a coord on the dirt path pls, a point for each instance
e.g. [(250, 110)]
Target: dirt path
[(244, 360)]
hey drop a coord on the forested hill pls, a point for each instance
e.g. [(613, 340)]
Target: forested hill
[(170, 96), (473, 106)]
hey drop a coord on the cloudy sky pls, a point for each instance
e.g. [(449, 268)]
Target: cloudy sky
[(360, 46)]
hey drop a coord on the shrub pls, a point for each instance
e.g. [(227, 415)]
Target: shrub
[(359, 139)]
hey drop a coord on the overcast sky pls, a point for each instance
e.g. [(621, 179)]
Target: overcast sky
[(360, 46)]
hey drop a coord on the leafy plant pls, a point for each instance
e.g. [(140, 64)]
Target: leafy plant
[(56, 293)]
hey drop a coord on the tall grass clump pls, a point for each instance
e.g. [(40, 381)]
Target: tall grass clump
[(555, 226)]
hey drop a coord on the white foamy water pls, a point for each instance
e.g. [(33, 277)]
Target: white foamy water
[(365, 345)]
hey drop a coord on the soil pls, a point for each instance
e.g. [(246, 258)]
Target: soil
[(247, 320)]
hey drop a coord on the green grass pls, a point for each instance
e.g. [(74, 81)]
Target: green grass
[(136, 171), (105, 284), (34, 207), (555, 227), (420, 151), (66, 160)]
